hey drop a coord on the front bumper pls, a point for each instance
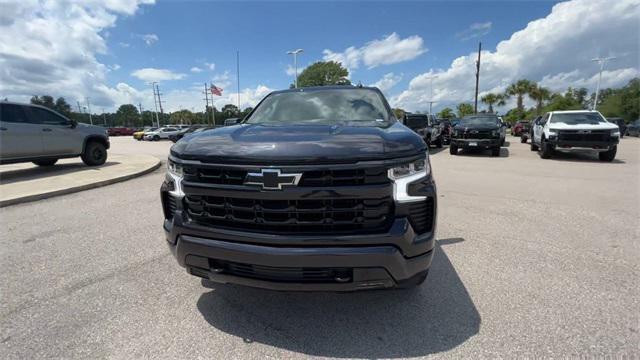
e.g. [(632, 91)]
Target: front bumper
[(587, 145), (476, 143), (281, 262)]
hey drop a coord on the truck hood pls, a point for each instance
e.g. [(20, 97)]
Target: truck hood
[(463, 128), (600, 126), (256, 143)]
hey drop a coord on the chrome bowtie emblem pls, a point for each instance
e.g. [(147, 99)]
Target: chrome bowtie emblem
[(584, 131), (272, 179)]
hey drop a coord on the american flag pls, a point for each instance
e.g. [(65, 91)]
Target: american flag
[(216, 90)]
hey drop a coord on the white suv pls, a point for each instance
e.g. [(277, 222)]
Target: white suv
[(575, 130), (162, 133)]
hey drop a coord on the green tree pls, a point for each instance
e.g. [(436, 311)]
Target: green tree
[(230, 110), (446, 113), (540, 95), (127, 115), (623, 102), (491, 99), (324, 73), (60, 105), (519, 89), (399, 113), (464, 109)]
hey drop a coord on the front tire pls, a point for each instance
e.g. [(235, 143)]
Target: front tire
[(439, 143), (453, 149), (608, 155), (46, 162), (534, 147), (523, 140), (495, 151), (95, 154), (547, 150), (156, 138)]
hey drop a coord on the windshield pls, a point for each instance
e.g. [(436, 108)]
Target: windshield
[(479, 121), (578, 118), (331, 106), (416, 121)]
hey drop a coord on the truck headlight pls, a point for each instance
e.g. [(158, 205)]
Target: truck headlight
[(404, 174), (495, 133), (615, 133), (175, 169)]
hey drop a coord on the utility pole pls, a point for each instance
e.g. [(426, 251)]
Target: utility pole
[(159, 103), (104, 117), (79, 109), (206, 99), (475, 104), (295, 63), (155, 104), (238, 72), (601, 61), (141, 117), (89, 107), (431, 91)]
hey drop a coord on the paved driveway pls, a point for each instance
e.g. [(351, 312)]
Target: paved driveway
[(534, 258)]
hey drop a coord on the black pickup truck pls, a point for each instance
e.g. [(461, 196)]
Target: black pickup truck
[(426, 126), (318, 189), (483, 131)]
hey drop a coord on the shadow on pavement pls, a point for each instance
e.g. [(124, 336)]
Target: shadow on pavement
[(435, 317), (435, 150), (37, 172)]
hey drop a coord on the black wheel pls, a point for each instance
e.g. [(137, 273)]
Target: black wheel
[(534, 147), (495, 151), (95, 154), (523, 140), (428, 141), (413, 282), (156, 138), (439, 143), (502, 142), (453, 149), (608, 155), (46, 162), (547, 150)]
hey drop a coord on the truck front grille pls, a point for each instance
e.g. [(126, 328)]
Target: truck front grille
[(480, 134), (291, 216), (283, 274), (343, 177), (577, 135)]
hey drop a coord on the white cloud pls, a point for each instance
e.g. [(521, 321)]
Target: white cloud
[(191, 98), (222, 80), (556, 50), (124, 44), (387, 82), (51, 48), (196, 69), (475, 30), (210, 66), (151, 74), (388, 50), (149, 39), (291, 71)]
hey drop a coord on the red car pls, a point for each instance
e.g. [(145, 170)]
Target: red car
[(520, 127), (120, 131)]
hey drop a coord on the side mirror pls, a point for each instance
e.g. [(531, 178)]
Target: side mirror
[(73, 124)]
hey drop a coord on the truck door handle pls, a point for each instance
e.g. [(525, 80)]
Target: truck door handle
[(46, 129)]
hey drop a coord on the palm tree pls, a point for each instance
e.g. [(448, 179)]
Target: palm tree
[(539, 94), (491, 99), (519, 89)]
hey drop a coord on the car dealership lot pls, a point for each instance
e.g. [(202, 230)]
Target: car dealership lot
[(535, 258)]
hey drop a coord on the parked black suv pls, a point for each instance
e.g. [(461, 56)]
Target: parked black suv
[(317, 189), (426, 126), (477, 132)]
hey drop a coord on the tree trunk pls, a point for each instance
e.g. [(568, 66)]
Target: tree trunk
[(520, 102), (491, 108)]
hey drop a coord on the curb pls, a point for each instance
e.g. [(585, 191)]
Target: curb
[(71, 190)]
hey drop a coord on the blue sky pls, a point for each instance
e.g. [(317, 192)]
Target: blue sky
[(191, 33), (109, 52)]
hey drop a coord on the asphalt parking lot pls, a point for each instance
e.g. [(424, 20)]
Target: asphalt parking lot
[(534, 258)]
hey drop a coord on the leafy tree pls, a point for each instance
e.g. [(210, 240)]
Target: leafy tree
[(398, 113), (519, 89), (183, 116), (446, 113), (324, 73), (491, 99), (464, 109), (230, 110), (623, 102), (127, 115), (60, 105), (540, 95), (563, 102)]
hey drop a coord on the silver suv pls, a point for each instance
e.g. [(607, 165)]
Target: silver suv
[(40, 135)]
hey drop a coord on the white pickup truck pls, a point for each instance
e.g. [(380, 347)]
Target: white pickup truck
[(575, 130)]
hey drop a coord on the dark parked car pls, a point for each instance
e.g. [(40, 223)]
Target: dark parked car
[(425, 126), (633, 129), (182, 133), (231, 121), (319, 188), (478, 132), (445, 130), (621, 124)]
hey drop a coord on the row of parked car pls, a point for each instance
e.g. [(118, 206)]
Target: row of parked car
[(555, 131)]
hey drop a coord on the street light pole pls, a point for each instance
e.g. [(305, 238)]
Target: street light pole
[(295, 63), (431, 91), (601, 61)]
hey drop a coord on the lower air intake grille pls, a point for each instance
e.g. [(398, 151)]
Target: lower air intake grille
[(421, 215), (283, 274)]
